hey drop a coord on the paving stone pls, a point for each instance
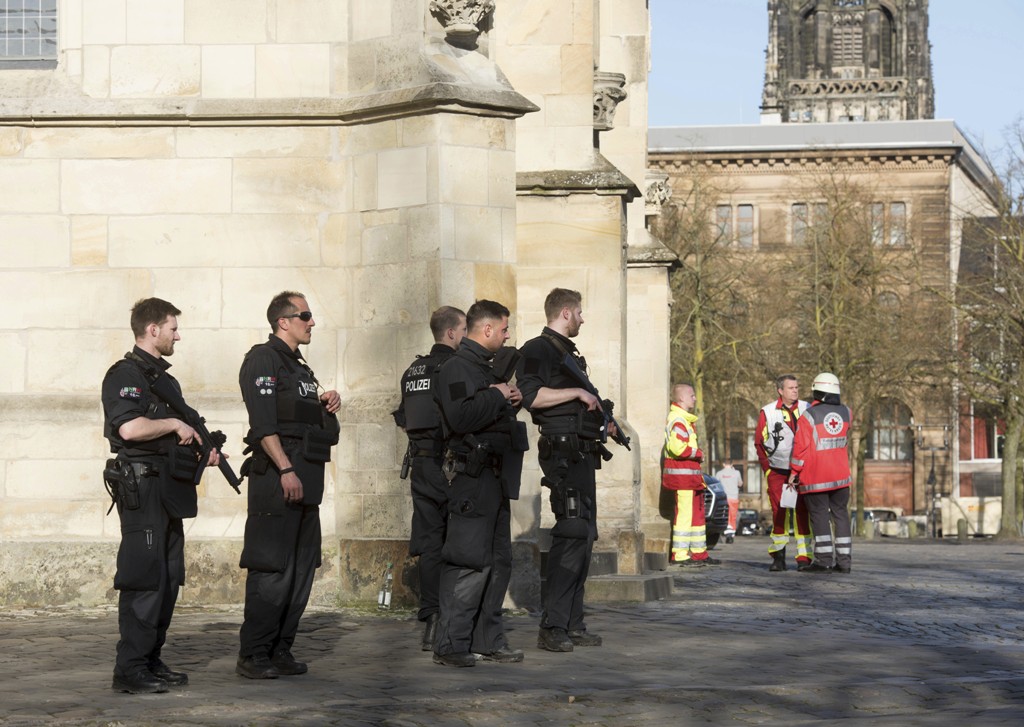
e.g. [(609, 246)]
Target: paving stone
[(922, 633)]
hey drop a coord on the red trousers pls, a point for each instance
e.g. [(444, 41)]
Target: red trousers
[(781, 517)]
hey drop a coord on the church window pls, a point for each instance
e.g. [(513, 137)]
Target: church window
[(800, 223), (805, 217), (745, 225), (735, 225), (28, 33), (877, 223), (847, 44), (898, 224), (889, 228), (723, 222), (982, 433), (890, 436)]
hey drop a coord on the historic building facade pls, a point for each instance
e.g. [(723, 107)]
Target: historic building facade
[(384, 157), (847, 60), (926, 180)]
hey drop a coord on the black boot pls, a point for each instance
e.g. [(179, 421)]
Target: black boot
[(138, 681), (778, 561), (430, 631)]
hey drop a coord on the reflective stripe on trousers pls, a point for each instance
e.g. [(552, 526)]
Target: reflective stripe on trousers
[(823, 546), (689, 538)]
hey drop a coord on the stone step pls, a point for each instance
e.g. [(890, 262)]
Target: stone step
[(655, 561), (633, 589)]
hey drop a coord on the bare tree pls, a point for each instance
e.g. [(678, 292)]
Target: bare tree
[(861, 310), (715, 293), (989, 300)]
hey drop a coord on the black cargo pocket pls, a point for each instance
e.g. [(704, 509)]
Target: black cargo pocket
[(468, 541), (264, 548), (138, 560)]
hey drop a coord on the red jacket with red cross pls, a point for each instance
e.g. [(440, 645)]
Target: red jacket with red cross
[(820, 456)]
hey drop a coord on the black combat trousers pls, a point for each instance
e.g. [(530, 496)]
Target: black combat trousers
[(572, 544), (150, 571), (477, 566), (276, 599), (429, 524)]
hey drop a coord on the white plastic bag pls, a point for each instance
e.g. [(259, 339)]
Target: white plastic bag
[(788, 499)]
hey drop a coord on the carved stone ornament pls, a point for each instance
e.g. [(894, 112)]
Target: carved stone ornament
[(608, 92), (461, 19), (659, 191)]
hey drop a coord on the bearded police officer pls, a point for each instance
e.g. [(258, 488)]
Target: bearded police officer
[(292, 427), (419, 416), (152, 483), (483, 463), (572, 425)]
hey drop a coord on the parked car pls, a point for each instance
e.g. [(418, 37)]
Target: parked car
[(888, 521), (716, 510), (748, 522)]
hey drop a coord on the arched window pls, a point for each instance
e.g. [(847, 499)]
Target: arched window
[(890, 436)]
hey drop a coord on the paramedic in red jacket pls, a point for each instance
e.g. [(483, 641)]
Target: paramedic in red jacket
[(821, 471), (681, 460)]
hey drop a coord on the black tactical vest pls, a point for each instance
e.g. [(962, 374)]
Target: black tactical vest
[(422, 415)]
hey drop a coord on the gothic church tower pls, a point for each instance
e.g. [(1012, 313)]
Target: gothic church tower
[(847, 60)]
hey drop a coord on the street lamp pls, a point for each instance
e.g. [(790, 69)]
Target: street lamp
[(932, 481)]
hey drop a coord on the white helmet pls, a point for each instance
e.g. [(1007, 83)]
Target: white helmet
[(826, 383)]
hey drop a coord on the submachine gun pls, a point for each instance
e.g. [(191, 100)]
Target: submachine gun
[(504, 363), (571, 365), (160, 384)]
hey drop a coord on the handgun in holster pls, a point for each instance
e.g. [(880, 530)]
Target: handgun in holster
[(406, 463), (122, 485)]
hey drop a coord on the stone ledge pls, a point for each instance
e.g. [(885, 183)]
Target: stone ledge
[(601, 177), (634, 589)]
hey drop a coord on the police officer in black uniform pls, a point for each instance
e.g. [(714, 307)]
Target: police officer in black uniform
[(151, 481), (483, 462), (569, 451), (419, 416), (292, 427)]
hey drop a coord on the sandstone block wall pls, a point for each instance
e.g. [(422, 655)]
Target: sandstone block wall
[(214, 154)]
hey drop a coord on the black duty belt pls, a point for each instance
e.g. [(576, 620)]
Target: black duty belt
[(143, 467), (489, 460), (587, 446)]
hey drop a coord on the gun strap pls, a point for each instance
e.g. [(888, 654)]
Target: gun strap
[(565, 350), (159, 387)]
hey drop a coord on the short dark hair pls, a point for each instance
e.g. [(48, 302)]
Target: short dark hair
[(281, 305), (483, 310), (444, 318), (558, 299), (781, 380), (150, 310)]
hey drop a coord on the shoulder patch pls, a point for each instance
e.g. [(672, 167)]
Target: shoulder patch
[(130, 392), (457, 390), (266, 384)]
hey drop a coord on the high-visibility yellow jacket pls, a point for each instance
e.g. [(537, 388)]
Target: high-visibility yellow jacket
[(681, 457)]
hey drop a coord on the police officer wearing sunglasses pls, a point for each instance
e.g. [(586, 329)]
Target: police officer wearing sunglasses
[(292, 427)]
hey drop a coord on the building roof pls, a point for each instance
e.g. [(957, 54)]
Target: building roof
[(862, 135), (851, 135)]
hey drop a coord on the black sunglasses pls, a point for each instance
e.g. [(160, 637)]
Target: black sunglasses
[(305, 316)]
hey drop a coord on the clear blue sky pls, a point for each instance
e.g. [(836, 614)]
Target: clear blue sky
[(707, 64)]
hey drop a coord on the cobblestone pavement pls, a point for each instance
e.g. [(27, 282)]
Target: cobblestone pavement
[(921, 633)]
